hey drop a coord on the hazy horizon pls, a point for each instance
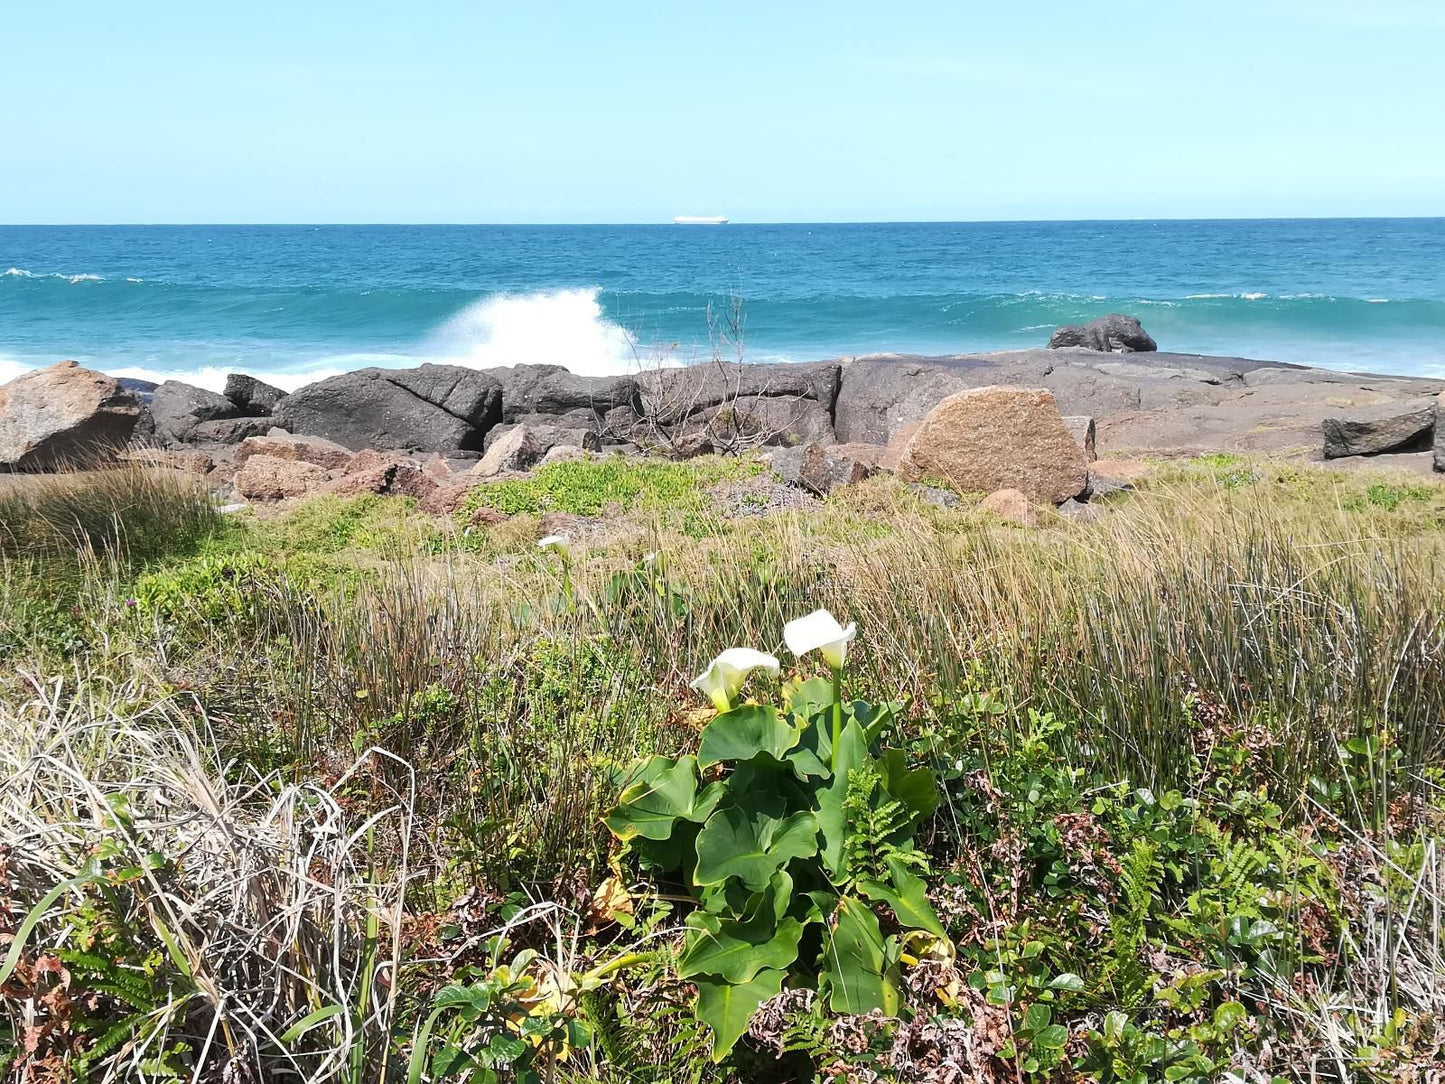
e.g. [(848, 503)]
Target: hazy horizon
[(567, 113)]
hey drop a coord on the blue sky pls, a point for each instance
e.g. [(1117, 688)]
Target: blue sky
[(453, 111)]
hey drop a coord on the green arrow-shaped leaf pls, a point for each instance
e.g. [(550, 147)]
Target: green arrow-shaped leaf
[(660, 792), (832, 825), (860, 970), (916, 789), (736, 950), (727, 1007), (908, 896), (753, 840), (744, 733)]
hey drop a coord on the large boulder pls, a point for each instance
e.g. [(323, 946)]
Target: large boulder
[(988, 439), (270, 478), (279, 444), (1408, 431), (435, 408), (1112, 334), (64, 416), (530, 392), (178, 408), (727, 405), (253, 397)]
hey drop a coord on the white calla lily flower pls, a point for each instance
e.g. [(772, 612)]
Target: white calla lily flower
[(820, 631), (558, 542), (725, 675)]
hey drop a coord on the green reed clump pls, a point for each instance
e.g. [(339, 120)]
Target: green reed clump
[(137, 512)]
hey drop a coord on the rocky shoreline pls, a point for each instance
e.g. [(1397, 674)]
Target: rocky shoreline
[(441, 427)]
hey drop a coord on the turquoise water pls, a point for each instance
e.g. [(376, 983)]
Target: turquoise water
[(295, 302)]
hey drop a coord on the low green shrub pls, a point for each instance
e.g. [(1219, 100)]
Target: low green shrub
[(585, 487)]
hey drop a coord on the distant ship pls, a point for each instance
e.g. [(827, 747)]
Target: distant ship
[(700, 220)]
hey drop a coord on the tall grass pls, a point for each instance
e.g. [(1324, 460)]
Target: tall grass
[(314, 744), (133, 510)]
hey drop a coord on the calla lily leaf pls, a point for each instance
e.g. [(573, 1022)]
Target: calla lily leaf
[(744, 733), (810, 697), (659, 793), (736, 950), (860, 968), (917, 788), (728, 1007), (752, 842), (908, 896), (832, 824)]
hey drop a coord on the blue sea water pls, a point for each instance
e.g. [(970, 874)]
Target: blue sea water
[(291, 303)]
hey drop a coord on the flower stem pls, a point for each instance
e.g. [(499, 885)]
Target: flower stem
[(837, 715)]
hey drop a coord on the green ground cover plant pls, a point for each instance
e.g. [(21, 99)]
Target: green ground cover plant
[(335, 796)]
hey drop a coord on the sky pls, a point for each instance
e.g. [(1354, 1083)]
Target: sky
[(547, 111)]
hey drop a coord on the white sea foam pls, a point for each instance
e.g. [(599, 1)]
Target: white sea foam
[(553, 327), (21, 273)]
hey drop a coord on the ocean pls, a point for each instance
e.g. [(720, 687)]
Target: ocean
[(294, 303)]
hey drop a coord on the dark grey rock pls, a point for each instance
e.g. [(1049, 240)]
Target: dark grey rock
[(1409, 431), (820, 468), (433, 408), (178, 409), (253, 397), (1079, 511), (671, 395), (537, 390), (141, 389), (1112, 334), (228, 430), (1081, 428)]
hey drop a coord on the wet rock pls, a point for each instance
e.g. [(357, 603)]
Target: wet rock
[(1113, 334)]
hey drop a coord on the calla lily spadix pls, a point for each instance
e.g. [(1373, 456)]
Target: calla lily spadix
[(725, 675), (556, 542), (820, 631)]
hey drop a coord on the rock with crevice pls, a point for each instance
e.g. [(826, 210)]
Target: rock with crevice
[(180, 409), (65, 416), (1081, 428), (522, 447), (432, 408), (1411, 430)]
